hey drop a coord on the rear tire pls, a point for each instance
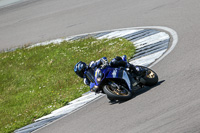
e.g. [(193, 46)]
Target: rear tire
[(151, 78), (111, 95)]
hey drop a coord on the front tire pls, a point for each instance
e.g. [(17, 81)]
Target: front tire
[(113, 95)]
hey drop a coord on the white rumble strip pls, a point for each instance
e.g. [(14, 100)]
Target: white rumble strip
[(152, 45)]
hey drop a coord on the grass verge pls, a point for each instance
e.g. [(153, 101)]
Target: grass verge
[(36, 81)]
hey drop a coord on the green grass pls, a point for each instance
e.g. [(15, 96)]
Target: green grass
[(36, 81)]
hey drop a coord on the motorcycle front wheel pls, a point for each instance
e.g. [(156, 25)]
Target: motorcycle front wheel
[(121, 94)]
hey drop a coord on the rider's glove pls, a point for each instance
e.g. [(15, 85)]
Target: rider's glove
[(104, 65)]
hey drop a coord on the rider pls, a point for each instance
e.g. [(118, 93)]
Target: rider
[(81, 68)]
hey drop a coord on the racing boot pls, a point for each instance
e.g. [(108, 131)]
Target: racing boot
[(124, 58), (138, 71)]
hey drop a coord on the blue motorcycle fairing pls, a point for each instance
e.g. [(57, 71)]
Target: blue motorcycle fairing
[(120, 74), (111, 73), (101, 72)]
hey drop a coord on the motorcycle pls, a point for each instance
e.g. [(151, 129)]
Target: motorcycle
[(120, 83)]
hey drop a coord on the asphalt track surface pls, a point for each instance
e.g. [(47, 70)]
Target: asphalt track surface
[(171, 107)]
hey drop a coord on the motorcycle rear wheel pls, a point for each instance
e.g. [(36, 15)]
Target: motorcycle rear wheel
[(151, 78), (114, 95)]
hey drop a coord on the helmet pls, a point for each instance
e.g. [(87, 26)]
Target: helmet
[(79, 68)]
